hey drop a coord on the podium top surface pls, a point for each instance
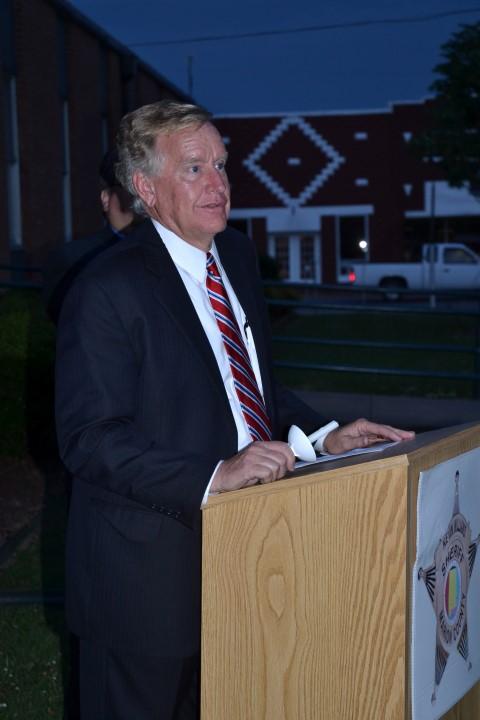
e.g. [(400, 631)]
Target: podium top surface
[(400, 454)]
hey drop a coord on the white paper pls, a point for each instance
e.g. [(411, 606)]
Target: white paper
[(378, 447)]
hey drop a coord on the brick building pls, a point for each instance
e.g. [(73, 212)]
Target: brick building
[(64, 86), (316, 190), (309, 188)]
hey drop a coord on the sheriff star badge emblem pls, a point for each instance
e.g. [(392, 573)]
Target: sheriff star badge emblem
[(447, 581)]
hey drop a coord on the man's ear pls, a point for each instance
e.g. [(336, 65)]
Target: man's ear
[(144, 188), (105, 200)]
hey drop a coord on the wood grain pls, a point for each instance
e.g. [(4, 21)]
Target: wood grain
[(304, 600), (306, 591)]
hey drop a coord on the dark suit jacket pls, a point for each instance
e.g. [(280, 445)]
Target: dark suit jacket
[(143, 419), (67, 262)]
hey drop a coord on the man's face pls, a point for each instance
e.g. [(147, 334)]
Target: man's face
[(191, 195)]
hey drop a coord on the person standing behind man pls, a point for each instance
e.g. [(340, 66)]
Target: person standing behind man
[(165, 393), (67, 262)]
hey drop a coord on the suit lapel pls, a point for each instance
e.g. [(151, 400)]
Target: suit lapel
[(170, 291)]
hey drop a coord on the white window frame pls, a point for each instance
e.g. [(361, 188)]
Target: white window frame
[(14, 198), (294, 256)]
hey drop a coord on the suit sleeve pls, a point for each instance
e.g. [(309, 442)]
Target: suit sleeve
[(97, 392)]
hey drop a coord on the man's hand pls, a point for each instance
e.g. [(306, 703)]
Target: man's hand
[(262, 462), (362, 433)]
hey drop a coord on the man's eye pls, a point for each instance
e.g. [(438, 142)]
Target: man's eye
[(221, 165), (194, 169)]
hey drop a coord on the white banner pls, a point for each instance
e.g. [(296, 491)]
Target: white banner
[(445, 647)]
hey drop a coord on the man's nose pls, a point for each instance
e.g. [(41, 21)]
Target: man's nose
[(217, 180)]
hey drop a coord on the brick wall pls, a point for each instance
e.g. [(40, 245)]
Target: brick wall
[(84, 77), (375, 167), (4, 249), (39, 126), (90, 59)]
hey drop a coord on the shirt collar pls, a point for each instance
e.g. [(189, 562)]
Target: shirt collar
[(184, 255)]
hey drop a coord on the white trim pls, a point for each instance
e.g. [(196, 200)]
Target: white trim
[(241, 213), (390, 107), (449, 202), (14, 197), (66, 176), (294, 254), (305, 219), (334, 160), (339, 261)]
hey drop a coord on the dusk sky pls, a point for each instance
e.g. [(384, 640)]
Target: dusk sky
[(387, 56)]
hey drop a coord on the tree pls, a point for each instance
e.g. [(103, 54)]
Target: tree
[(454, 136)]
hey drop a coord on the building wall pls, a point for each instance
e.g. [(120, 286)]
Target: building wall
[(83, 64), (304, 173), (73, 84), (4, 251), (114, 99)]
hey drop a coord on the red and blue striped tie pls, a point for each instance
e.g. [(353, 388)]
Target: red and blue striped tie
[(250, 398)]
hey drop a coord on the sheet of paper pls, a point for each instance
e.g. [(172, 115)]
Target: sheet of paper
[(359, 451)]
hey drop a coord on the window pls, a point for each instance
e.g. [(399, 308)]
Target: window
[(352, 237), (307, 258), (458, 256), (297, 256), (13, 168), (282, 256)]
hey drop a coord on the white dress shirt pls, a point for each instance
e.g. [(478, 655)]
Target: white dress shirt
[(191, 263)]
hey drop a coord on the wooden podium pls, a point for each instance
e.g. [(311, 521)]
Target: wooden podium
[(306, 587)]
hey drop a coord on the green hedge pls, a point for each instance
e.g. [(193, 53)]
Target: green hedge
[(27, 346)]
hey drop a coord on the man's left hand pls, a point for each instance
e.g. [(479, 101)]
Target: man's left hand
[(360, 434)]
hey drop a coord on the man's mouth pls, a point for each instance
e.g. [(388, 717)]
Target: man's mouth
[(214, 205)]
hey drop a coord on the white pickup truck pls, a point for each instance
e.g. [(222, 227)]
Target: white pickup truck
[(443, 266)]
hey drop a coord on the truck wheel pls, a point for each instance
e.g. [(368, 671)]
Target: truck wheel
[(392, 286)]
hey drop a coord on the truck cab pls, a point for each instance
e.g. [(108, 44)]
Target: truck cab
[(443, 266), (452, 266)]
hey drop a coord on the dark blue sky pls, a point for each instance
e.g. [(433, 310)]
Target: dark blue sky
[(347, 68)]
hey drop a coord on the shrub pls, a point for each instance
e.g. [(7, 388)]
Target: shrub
[(26, 375)]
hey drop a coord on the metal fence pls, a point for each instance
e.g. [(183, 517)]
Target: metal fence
[(328, 299), (21, 277)]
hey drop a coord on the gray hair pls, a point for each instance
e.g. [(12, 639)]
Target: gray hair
[(137, 135)]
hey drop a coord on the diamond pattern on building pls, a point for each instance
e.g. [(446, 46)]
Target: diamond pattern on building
[(326, 158)]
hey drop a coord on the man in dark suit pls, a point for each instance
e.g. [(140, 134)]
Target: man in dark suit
[(155, 411), (66, 262)]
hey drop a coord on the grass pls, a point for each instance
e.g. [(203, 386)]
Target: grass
[(39, 565), (32, 663), (395, 327), (26, 374), (33, 651), (33, 647)]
